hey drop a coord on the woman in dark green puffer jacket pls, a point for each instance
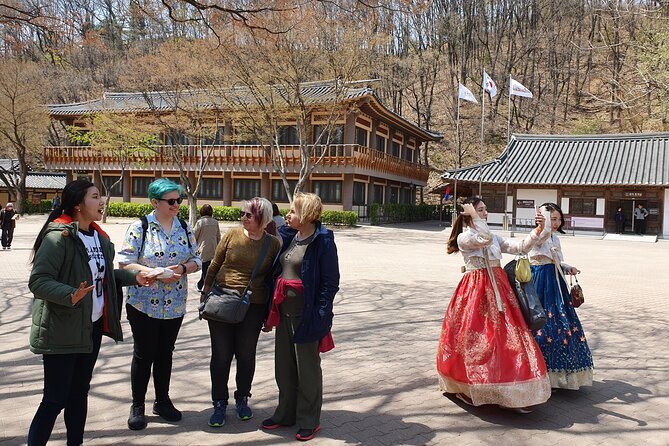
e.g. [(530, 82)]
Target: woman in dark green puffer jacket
[(69, 317)]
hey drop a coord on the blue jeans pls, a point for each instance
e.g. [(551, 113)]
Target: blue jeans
[(67, 379)]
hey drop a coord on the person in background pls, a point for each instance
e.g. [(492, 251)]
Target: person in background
[(307, 280), (236, 256), (207, 234), (486, 352), (619, 217), (55, 201), (76, 302), (562, 340), (640, 214), (277, 217), (156, 313), (8, 218), (277, 220)]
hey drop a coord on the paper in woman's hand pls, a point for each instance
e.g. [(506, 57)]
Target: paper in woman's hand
[(160, 273)]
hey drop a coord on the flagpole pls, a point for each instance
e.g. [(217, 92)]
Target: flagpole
[(506, 161), (508, 123), (458, 143), (482, 124), (457, 124)]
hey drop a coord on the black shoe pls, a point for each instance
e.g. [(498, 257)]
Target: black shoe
[(166, 410), (137, 419)]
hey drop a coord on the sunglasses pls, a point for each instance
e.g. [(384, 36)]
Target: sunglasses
[(172, 201), (246, 214)]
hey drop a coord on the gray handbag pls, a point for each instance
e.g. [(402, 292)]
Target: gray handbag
[(228, 305)]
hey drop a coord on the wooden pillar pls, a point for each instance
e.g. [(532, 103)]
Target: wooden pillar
[(349, 129), (265, 186), (347, 192), (227, 189), (127, 186)]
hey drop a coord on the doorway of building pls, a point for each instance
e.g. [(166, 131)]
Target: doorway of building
[(628, 207)]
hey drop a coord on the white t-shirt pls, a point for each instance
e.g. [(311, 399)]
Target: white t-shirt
[(96, 261)]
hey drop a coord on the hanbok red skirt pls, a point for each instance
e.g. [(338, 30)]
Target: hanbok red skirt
[(488, 355)]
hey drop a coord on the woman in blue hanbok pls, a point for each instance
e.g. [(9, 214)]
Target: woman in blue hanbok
[(562, 340)]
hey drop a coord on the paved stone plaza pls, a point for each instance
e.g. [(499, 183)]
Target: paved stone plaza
[(380, 382)]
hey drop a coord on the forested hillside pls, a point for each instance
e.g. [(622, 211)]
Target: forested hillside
[(593, 66)]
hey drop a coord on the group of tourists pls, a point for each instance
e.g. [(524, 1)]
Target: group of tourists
[(487, 354), (78, 299)]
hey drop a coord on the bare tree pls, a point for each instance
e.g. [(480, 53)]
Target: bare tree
[(23, 122), (118, 138)]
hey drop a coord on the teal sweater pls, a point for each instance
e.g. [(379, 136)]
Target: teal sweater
[(60, 266)]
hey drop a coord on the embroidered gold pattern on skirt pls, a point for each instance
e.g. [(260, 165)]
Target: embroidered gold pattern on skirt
[(486, 354)]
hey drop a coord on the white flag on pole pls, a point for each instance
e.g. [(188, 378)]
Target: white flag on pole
[(518, 89), (466, 94), (489, 85)]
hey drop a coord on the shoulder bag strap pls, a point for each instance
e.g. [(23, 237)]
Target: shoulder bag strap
[(493, 282), (261, 258)]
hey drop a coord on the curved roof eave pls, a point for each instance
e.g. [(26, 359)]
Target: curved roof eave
[(427, 135)]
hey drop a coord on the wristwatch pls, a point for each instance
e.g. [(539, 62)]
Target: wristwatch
[(183, 266)]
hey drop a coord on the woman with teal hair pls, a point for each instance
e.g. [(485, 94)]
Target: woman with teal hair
[(163, 245)]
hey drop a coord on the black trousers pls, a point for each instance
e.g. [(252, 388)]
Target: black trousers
[(205, 267), (620, 227), (641, 226), (238, 340), (153, 345), (7, 237), (67, 379)]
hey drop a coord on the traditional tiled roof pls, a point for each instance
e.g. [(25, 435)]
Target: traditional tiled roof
[(35, 180), (45, 180), (313, 93), (639, 159)]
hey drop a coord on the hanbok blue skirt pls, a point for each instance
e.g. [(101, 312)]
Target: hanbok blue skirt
[(562, 340)]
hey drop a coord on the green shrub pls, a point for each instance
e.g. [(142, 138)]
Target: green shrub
[(44, 207), (226, 213), (374, 214), (343, 218), (133, 210), (401, 213), (221, 213)]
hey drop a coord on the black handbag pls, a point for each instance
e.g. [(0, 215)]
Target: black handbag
[(228, 305), (528, 299)]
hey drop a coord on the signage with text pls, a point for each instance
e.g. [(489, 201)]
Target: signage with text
[(525, 204)]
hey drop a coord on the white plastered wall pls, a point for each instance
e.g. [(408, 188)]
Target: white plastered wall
[(665, 217), (539, 196)]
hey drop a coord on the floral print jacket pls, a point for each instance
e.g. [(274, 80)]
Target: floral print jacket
[(161, 300)]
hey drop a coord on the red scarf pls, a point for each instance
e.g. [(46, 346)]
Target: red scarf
[(66, 219), (325, 344)]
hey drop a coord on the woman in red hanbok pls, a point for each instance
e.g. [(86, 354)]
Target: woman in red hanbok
[(487, 354)]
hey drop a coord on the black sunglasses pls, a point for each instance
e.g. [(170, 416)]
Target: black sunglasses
[(246, 214), (172, 201)]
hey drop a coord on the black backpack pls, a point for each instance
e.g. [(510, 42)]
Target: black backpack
[(145, 227)]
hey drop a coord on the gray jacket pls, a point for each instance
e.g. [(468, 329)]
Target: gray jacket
[(207, 234)]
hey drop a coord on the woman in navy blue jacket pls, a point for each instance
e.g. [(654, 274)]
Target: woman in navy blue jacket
[(306, 281)]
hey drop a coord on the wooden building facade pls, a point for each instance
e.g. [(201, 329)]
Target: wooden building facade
[(589, 176), (374, 155)]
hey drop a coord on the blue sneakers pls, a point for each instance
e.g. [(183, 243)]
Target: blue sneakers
[(218, 417), (244, 412)]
